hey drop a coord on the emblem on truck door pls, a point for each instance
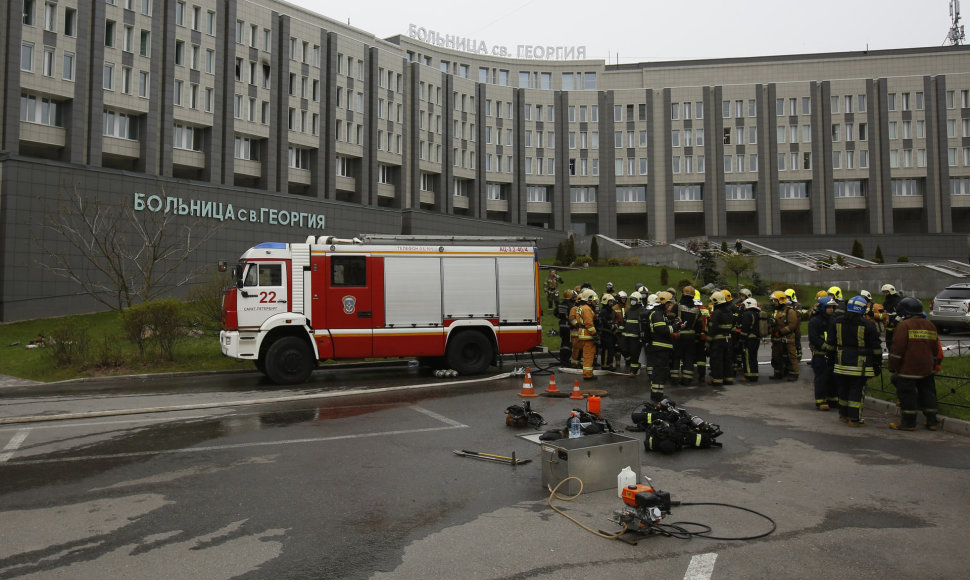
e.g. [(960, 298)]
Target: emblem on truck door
[(350, 304)]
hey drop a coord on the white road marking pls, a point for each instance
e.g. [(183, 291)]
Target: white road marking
[(441, 418), (15, 442), (701, 567), (262, 401), (233, 446)]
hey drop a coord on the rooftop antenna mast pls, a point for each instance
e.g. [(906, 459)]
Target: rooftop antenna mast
[(955, 36)]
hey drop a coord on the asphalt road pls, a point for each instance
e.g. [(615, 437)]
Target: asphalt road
[(353, 476)]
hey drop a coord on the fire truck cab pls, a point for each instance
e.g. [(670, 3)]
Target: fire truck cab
[(295, 304)]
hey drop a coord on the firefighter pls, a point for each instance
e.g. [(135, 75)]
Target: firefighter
[(575, 360), (734, 342), (701, 348), (606, 331), (610, 290), (857, 356), (875, 312), (889, 304), (565, 330), (587, 332), (662, 335), (619, 308), (835, 293), (750, 339), (784, 356), (553, 280), (802, 315), (631, 333), (683, 357), (915, 357), (819, 323), (719, 334)]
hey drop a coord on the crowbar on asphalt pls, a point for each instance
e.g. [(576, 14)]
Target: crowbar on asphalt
[(491, 457)]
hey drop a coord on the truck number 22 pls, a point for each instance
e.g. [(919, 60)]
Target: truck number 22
[(267, 297)]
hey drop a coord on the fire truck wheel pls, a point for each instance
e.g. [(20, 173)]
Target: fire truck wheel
[(469, 353), (289, 361)]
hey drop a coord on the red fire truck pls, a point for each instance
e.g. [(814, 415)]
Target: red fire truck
[(293, 305)]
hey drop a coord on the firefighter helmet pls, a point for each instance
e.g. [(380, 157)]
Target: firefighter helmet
[(856, 305), (779, 296), (652, 300), (823, 303), (866, 294), (889, 288), (663, 297), (718, 297), (745, 292), (622, 294), (688, 291), (909, 306), (567, 294), (821, 293), (835, 292), (606, 299), (750, 303), (609, 287), (727, 295), (589, 295), (790, 293), (640, 288), (635, 296)]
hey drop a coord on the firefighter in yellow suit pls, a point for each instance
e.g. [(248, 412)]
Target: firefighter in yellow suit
[(587, 331)]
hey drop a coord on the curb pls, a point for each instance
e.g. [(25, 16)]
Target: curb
[(947, 424)]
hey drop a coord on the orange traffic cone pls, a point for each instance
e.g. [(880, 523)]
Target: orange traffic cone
[(552, 389), (577, 394), (527, 390)]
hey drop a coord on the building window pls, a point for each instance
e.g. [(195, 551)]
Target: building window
[(906, 187), (793, 190), (736, 191), (68, 66), (109, 33), (693, 192), (120, 125), (108, 79), (143, 84), (850, 188), (298, 158), (246, 148), (42, 110), (185, 137)]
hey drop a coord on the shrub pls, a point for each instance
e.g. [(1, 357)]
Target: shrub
[(582, 260), (561, 254), (724, 246), (68, 346), (205, 302), (878, 257), (159, 322), (570, 255), (594, 250), (902, 259), (857, 249), (664, 276), (613, 262)]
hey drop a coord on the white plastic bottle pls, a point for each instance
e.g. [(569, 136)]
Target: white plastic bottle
[(624, 479), (575, 429)]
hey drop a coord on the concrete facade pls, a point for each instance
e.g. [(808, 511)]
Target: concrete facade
[(283, 108)]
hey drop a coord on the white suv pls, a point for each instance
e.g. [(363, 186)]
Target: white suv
[(951, 308)]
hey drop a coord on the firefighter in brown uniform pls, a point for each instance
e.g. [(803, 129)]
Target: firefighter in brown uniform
[(587, 331), (574, 320), (784, 354), (914, 357)]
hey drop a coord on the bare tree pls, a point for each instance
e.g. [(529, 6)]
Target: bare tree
[(126, 257)]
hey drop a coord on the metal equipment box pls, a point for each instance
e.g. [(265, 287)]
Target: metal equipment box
[(594, 459)]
